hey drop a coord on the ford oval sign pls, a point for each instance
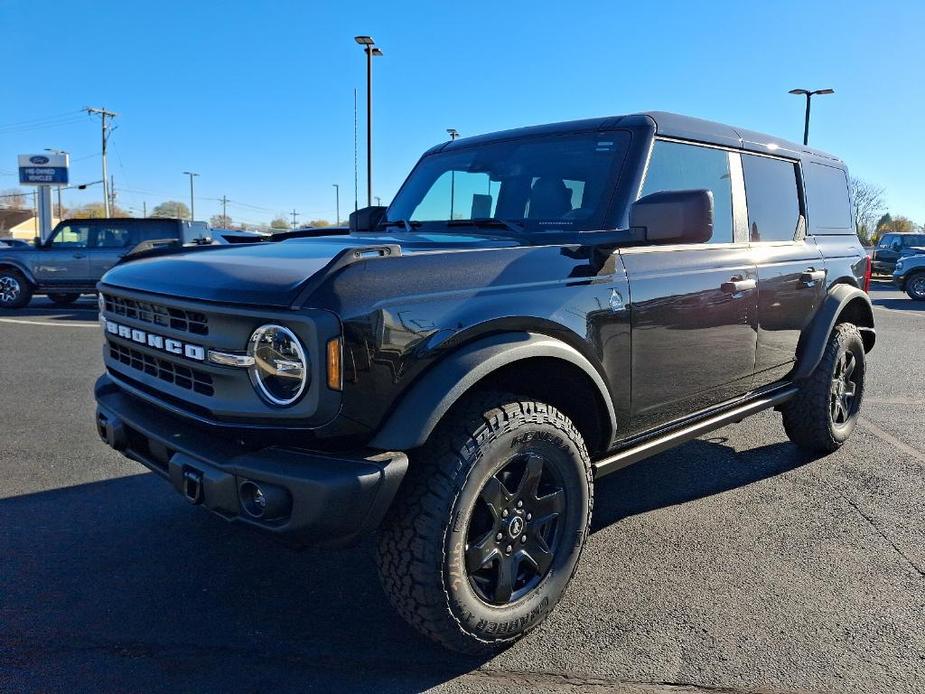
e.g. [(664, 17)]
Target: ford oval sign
[(38, 160)]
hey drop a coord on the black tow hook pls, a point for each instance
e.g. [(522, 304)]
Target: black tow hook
[(192, 485)]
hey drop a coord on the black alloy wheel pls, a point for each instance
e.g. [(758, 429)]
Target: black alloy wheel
[(845, 386), (513, 534)]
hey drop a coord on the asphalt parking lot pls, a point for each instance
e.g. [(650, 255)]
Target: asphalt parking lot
[(731, 564)]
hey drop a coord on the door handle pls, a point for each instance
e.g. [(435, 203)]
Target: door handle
[(737, 284), (810, 276)]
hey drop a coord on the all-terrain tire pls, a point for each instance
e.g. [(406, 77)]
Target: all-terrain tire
[(64, 299), (915, 286), (423, 542), (808, 418), (15, 290)]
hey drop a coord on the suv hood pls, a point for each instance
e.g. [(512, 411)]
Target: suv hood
[(266, 274)]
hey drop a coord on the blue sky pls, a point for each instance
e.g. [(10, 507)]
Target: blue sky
[(258, 97)]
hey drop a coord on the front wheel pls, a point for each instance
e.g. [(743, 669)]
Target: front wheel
[(15, 290), (490, 523), (63, 299), (822, 415), (915, 286)]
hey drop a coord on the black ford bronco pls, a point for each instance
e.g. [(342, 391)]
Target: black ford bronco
[(536, 309)]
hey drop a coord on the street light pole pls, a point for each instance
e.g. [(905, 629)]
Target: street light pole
[(369, 47), (337, 198), (192, 203), (809, 94), (453, 133)]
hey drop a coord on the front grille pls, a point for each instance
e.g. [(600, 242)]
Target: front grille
[(193, 322), (179, 375)]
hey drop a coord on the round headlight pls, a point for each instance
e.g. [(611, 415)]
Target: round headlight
[(280, 370)]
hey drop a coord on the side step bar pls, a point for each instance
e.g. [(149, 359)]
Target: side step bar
[(654, 446)]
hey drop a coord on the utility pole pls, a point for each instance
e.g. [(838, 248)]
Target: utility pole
[(192, 199), (106, 130), (337, 194), (378, 201), (294, 215), (144, 208), (112, 194), (224, 208)]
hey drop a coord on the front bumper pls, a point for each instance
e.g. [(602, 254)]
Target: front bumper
[(899, 280), (309, 497)]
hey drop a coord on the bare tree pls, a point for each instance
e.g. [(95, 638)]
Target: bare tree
[(219, 221), (867, 200), (13, 198)]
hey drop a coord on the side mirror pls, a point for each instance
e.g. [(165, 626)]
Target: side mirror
[(896, 246), (675, 216), (366, 218)]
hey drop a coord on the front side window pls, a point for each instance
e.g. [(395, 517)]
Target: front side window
[(676, 166), (538, 183), (773, 198), (71, 236)]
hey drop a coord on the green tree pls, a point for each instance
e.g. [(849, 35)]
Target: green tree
[(95, 210), (172, 209), (279, 224)]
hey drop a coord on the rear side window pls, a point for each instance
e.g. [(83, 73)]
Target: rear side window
[(112, 236), (675, 166), (772, 197), (827, 200)]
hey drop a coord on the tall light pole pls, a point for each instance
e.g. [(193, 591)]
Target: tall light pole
[(809, 94), (192, 203), (107, 129), (337, 202), (453, 133), (371, 52)]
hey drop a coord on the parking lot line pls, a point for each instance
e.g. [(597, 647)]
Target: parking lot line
[(63, 324)]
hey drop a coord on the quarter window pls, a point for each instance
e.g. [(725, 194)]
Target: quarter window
[(773, 198), (676, 166), (827, 196)]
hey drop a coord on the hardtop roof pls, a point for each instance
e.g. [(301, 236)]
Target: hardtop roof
[(666, 124)]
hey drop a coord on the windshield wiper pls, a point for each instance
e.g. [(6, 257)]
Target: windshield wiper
[(516, 229)]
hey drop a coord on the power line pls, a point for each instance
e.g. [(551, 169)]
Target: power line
[(29, 121)]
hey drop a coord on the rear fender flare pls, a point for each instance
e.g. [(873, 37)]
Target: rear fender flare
[(816, 334), (421, 408)]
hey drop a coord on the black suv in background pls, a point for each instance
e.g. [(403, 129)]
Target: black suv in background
[(891, 247), (79, 252), (536, 309)]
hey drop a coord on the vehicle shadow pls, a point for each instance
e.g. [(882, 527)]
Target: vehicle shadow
[(123, 577), (902, 304), (47, 311), (698, 469)]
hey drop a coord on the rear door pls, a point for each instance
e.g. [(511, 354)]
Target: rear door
[(693, 307), (110, 241), (791, 270)]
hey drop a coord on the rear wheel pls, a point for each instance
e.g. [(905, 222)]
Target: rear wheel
[(915, 286), (491, 520), (821, 417), (15, 290), (64, 299)]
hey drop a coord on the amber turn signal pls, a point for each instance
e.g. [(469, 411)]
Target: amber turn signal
[(335, 375)]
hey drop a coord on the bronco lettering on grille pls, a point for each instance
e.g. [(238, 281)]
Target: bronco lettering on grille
[(166, 344)]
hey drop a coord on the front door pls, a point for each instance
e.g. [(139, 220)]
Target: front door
[(791, 271), (693, 307), (64, 259)]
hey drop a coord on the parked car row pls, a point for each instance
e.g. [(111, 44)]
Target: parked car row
[(79, 251)]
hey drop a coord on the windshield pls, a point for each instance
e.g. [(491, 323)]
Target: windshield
[(538, 183)]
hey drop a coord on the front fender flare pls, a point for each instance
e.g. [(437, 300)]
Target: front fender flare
[(816, 334), (7, 262), (427, 400)]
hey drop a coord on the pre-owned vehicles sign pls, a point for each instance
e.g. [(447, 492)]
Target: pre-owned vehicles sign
[(43, 169)]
